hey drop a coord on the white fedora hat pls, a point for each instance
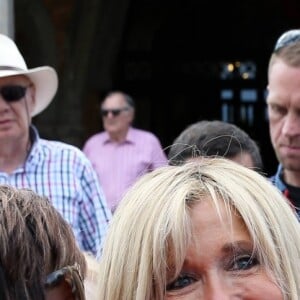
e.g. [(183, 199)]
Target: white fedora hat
[(44, 78)]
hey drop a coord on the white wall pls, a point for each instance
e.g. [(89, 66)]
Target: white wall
[(7, 17)]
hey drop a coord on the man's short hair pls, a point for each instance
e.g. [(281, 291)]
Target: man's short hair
[(129, 100), (213, 138)]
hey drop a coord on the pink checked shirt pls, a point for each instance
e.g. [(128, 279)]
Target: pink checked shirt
[(118, 165)]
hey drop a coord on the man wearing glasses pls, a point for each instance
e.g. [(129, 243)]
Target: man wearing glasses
[(283, 102), (121, 153), (50, 168)]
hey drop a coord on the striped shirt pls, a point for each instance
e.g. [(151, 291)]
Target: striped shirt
[(118, 165), (63, 174)]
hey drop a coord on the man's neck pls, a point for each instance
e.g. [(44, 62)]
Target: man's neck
[(13, 154), (118, 137), (291, 177)]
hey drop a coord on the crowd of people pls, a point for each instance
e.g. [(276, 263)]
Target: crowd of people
[(121, 219)]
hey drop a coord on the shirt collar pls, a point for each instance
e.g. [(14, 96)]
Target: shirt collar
[(128, 139), (34, 138), (278, 179)]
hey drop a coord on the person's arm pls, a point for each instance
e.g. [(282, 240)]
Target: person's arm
[(94, 212)]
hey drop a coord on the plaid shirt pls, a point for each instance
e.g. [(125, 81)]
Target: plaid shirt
[(63, 174)]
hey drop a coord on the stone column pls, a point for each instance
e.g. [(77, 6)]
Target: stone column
[(7, 17)]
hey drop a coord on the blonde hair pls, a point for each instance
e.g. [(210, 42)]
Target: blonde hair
[(91, 279), (154, 218)]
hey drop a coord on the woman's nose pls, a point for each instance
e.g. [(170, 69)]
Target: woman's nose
[(220, 287)]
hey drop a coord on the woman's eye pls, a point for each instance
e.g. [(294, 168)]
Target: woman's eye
[(244, 262), (181, 282)]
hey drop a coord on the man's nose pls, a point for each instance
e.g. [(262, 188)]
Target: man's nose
[(110, 114), (291, 125), (3, 103)]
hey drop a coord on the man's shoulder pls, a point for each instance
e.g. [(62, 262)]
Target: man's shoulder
[(56, 144), (55, 155), (275, 175), (272, 178), (277, 180), (142, 133), (58, 147), (96, 138)]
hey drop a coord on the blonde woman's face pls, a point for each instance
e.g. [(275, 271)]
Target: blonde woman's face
[(220, 263)]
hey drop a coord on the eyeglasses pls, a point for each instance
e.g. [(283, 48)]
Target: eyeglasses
[(72, 276), (115, 112), (12, 93), (288, 38)]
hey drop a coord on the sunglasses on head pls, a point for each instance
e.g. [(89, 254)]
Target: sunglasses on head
[(72, 276), (288, 38), (114, 112), (12, 93)]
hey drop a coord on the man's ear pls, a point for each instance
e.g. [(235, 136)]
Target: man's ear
[(132, 115), (31, 98)]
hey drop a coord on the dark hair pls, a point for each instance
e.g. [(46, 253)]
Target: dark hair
[(129, 100), (213, 138), (35, 240)]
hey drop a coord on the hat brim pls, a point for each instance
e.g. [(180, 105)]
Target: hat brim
[(45, 81)]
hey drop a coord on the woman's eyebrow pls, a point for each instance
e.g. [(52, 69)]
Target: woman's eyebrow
[(237, 246)]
